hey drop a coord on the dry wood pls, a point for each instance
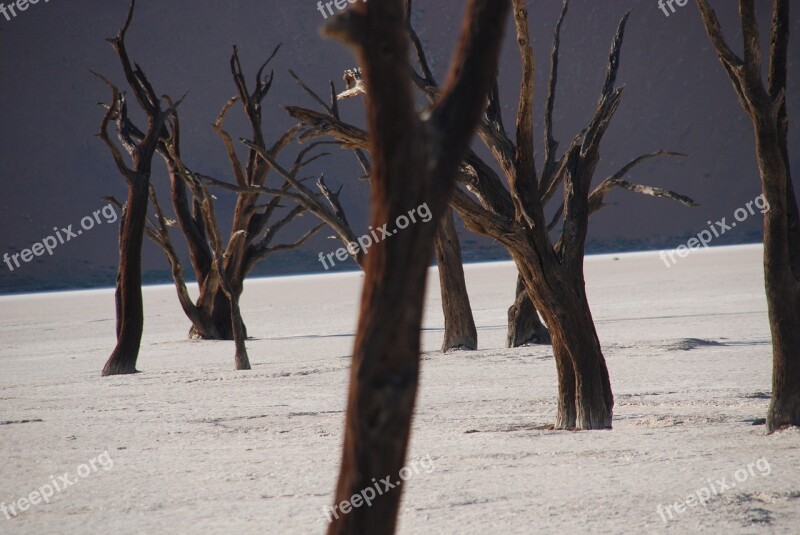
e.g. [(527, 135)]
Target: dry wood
[(414, 161)]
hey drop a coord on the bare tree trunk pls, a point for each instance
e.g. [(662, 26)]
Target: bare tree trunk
[(130, 309), (191, 224), (220, 318), (204, 328), (459, 325), (524, 325), (782, 286), (204, 325), (585, 400), (415, 161), (241, 359), (766, 107)]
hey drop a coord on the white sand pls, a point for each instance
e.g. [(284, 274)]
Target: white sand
[(200, 448)]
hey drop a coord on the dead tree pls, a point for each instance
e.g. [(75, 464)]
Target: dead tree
[(415, 161), (766, 107), (220, 267), (256, 221), (552, 273), (459, 324), (259, 214), (129, 305), (524, 324), (220, 276)]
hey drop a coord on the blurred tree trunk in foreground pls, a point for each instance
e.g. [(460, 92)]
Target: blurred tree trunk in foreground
[(415, 161)]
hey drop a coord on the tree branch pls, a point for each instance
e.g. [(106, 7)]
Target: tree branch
[(550, 144), (615, 181)]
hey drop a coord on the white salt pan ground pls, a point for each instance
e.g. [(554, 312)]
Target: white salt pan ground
[(199, 448)]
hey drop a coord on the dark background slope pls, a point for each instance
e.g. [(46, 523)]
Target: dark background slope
[(54, 171)]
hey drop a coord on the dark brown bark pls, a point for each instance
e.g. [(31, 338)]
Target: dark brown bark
[(585, 399), (459, 325), (524, 325), (193, 228), (766, 107), (415, 161), (553, 274), (216, 302), (241, 359), (216, 324), (782, 285), (130, 311)]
